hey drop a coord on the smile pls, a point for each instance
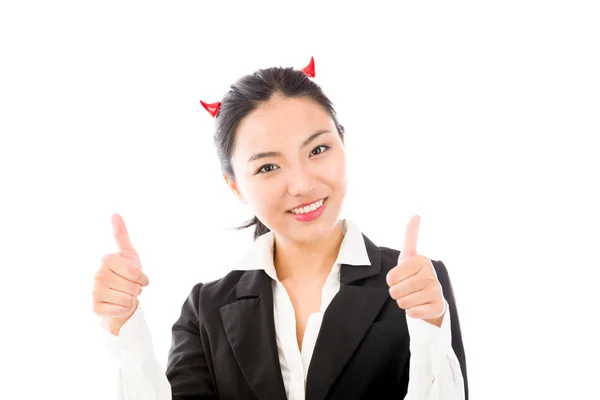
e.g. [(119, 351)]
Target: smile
[(309, 208)]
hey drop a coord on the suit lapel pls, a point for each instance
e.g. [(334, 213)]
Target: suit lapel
[(346, 321), (250, 329)]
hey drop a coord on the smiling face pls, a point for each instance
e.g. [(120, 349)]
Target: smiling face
[(290, 168)]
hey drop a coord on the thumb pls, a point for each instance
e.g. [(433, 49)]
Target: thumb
[(409, 246), (122, 236)]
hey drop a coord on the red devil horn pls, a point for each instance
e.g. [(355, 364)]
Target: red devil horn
[(310, 68), (212, 108)]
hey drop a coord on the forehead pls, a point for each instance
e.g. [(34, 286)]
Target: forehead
[(279, 120)]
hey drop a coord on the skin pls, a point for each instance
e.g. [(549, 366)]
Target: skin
[(297, 167), (119, 280), (413, 282), (309, 165), (302, 171)]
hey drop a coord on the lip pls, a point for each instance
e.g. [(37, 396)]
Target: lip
[(306, 204), (312, 215)]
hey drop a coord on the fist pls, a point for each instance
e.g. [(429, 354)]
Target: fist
[(413, 282), (120, 279)]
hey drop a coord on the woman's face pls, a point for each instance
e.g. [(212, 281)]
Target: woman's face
[(290, 168)]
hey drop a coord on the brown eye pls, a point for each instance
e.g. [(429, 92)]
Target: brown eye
[(319, 149), (266, 168)]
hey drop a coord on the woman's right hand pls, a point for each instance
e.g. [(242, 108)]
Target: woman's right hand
[(119, 281)]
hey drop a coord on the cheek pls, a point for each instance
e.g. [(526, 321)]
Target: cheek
[(262, 194), (334, 172)]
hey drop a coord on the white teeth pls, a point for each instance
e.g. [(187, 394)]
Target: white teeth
[(309, 208)]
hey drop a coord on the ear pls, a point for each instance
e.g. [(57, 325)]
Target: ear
[(234, 187)]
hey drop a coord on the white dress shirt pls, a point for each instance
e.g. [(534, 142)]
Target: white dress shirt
[(435, 372)]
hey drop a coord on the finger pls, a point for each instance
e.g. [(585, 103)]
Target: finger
[(420, 311), (123, 285), (117, 264), (409, 245), (411, 285), (117, 298), (110, 310), (415, 299), (121, 235), (404, 270)]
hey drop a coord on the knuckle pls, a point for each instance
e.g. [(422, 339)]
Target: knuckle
[(109, 263), (430, 281), (427, 275), (107, 259), (436, 300), (102, 275), (135, 273), (403, 266), (433, 285), (415, 285), (102, 280), (391, 276), (135, 289), (401, 303), (422, 259)]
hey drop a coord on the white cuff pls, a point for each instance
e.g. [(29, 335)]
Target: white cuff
[(132, 347), (429, 344)]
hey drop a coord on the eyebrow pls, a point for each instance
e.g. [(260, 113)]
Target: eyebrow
[(265, 154)]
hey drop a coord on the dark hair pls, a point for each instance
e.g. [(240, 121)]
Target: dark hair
[(245, 95)]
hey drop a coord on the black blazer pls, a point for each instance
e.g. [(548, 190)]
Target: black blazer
[(224, 346)]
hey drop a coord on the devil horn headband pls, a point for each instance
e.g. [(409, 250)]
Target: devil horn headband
[(213, 108), (310, 68)]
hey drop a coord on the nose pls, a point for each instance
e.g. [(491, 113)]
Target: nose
[(301, 182)]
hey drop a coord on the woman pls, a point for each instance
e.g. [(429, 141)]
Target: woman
[(315, 310)]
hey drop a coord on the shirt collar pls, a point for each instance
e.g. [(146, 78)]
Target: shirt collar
[(353, 251)]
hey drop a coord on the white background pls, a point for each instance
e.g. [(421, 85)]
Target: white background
[(483, 118)]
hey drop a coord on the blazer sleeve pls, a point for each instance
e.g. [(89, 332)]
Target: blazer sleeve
[(188, 370), (457, 342)]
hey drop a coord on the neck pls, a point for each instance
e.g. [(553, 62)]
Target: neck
[(301, 262)]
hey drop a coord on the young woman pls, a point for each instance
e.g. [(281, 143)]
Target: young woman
[(315, 310)]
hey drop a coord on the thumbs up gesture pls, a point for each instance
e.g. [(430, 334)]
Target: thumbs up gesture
[(119, 281), (413, 282)]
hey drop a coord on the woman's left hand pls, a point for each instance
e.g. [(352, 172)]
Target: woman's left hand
[(413, 282)]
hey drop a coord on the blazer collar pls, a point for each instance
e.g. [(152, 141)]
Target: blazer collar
[(346, 321), (250, 329)]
